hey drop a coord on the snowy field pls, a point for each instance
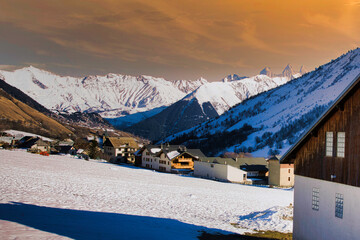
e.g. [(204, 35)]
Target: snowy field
[(60, 197)]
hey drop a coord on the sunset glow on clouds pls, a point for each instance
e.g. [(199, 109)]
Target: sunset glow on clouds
[(175, 39)]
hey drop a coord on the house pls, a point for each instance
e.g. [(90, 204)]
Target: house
[(120, 149), (169, 158), (64, 146), (280, 174), (241, 170), (327, 172), (217, 168), (256, 168), (34, 144), (81, 153)]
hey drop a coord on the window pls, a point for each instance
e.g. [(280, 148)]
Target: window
[(289, 179), (212, 165), (315, 199), (339, 205), (340, 144), (329, 144), (289, 171)]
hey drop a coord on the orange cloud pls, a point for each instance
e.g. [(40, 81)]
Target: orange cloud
[(222, 36)]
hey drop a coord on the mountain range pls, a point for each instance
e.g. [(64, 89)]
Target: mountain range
[(112, 95), (270, 122), (208, 101)]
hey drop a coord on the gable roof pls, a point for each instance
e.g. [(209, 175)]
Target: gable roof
[(118, 142), (235, 162), (338, 104), (171, 151)]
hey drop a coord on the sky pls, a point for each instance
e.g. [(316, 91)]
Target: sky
[(178, 39)]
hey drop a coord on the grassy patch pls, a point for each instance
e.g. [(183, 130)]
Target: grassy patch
[(261, 235), (271, 235)]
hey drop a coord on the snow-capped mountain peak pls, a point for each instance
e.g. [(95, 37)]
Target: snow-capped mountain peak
[(110, 95)]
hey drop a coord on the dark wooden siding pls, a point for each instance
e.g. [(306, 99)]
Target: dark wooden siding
[(310, 159)]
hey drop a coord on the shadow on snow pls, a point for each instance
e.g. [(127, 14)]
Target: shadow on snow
[(80, 224)]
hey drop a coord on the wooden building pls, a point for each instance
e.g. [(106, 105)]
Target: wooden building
[(327, 172), (169, 158), (120, 149)]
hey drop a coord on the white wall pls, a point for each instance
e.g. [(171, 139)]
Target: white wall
[(218, 171), (235, 174), (322, 224)]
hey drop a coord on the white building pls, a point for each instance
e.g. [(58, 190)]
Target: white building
[(219, 171)]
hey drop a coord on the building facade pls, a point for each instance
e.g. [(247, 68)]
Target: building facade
[(327, 172), (169, 158), (280, 174), (219, 171), (121, 149)]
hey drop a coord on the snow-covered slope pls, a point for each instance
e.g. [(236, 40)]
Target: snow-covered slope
[(111, 95), (60, 197), (223, 95), (208, 101), (275, 119)]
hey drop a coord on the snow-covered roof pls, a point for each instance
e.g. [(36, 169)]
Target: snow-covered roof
[(155, 150), (172, 154)]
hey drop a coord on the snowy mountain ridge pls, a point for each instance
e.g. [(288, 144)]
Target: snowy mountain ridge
[(274, 120), (208, 101), (111, 95), (116, 95), (224, 95)]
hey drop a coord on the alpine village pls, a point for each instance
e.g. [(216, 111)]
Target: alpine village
[(271, 155)]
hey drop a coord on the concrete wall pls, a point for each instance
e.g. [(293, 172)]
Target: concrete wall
[(218, 171), (279, 174), (322, 224), (287, 176), (274, 172), (235, 174)]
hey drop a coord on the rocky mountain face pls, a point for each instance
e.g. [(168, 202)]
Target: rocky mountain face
[(232, 77), (267, 72), (208, 101), (112, 95), (288, 72), (272, 121)]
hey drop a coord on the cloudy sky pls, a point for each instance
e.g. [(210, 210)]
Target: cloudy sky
[(175, 39)]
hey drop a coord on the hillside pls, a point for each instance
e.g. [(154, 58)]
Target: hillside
[(17, 115), (208, 101), (112, 95), (272, 121)]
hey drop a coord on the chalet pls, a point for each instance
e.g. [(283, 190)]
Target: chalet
[(327, 172), (169, 158), (121, 148), (217, 168), (34, 144), (64, 146), (280, 174)]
